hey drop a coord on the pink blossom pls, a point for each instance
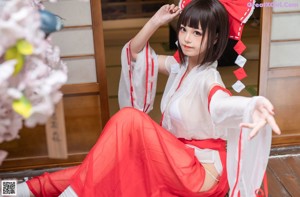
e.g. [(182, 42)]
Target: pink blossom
[(41, 77)]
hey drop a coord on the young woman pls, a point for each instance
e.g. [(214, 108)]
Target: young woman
[(186, 156)]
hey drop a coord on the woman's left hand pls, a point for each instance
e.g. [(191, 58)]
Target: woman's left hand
[(263, 113)]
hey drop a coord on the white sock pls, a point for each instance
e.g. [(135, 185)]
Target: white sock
[(23, 190), (69, 192)]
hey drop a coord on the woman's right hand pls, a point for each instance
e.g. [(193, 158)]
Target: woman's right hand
[(166, 14)]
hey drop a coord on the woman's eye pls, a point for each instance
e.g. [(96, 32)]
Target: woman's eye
[(182, 29), (197, 33)]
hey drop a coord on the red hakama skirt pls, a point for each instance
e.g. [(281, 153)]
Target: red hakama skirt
[(134, 156)]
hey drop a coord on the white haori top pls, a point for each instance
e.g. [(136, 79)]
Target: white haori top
[(186, 113)]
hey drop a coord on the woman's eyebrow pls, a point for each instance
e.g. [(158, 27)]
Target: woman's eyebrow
[(198, 29)]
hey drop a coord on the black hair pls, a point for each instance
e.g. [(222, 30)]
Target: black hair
[(213, 18)]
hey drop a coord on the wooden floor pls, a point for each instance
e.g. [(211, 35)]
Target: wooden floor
[(283, 172)]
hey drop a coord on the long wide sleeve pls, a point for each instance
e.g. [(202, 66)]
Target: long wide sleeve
[(246, 159), (137, 86), (226, 110)]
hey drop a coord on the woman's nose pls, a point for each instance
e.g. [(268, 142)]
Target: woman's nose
[(187, 38)]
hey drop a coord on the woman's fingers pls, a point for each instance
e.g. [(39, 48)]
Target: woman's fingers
[(172, 6), (271, 121), (166, 7), (274, 126), (167, 13), (266, 104), (260, 122), (174, 9), (247, 125), (171, 9), (254, 126)]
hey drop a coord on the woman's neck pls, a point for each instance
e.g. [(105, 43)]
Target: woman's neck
[(192, 62)]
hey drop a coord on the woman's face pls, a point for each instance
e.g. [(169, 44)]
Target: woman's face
[(192, 41)]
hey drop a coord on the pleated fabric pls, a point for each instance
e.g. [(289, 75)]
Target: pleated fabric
[(135, 156)]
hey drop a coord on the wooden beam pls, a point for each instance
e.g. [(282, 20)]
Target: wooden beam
[(85, 88), (77, 56), (287, 40), (100, 58), (293, 71), (265, 49)]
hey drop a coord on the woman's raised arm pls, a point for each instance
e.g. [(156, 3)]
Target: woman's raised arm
[(163, 16)]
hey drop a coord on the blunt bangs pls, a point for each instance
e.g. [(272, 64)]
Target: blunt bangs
[(192, 18)]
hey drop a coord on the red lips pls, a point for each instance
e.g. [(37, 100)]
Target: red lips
[(187, 47)]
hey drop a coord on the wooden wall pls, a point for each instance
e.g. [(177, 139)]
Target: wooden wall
[(280, 67)]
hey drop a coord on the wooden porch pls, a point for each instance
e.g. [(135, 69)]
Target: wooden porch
[(283, 172)]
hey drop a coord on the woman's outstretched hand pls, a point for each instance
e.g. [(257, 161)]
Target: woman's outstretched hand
[(166, 13), (263, 114)]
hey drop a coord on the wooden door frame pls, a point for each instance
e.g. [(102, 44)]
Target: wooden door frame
[(98, 35)]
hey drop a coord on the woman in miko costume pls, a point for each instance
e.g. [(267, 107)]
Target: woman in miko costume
[(209, 143)]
